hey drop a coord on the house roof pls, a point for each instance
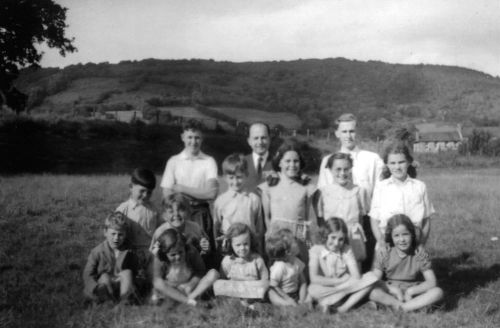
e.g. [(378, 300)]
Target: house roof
[(438, 136), (428, 132)]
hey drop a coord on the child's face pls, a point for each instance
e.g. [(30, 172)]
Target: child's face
[(115, 237), (346, 133), (401, 237), (241, 245), (335, 241), (398, 165), (341, 171), (176, 215), (290, 164), (176, 256), (235, 181), (140, 193), (192, 141)]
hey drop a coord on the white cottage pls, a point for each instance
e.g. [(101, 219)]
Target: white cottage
[(436, 137)]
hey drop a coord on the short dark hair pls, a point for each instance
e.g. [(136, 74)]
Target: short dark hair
[(235, 163), (290, 145), (260, 123), (333, 224), (193, 125), (170, 239), (277, 247), (143, 177), (396, 220), (338, 156), (399, 147)]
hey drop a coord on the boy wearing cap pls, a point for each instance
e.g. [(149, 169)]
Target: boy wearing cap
[(142, 215)]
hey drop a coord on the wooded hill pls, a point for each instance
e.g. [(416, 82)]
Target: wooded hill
[(316, 90)]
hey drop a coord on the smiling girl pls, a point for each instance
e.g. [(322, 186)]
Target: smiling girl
[(401, 266), (344, 200), (400, 193), (287, 205)]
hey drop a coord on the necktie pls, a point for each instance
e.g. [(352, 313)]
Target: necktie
[(259, 166)]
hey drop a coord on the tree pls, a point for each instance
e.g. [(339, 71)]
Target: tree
[(24, 24)]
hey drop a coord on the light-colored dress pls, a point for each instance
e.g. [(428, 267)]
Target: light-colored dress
[(286, 275), (288, 205), (348, 204)]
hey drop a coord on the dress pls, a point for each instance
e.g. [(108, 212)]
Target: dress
[(402, 271), (182, 273), (288, 205), (348, 204), (236, 268), (366, 171)]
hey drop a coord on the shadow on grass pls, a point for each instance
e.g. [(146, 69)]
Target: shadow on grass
[(459, 276)]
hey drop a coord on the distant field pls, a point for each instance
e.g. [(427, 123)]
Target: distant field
[(248, 115), (49, 223), (191, 112)]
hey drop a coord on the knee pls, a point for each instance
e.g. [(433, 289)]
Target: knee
[(212, 275), (104, 279), (438, 293)]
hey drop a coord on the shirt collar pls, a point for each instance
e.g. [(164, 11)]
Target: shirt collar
[(397, 182), (325, 252), (185, 155), (354, 152), (235, 194), (255, 158)]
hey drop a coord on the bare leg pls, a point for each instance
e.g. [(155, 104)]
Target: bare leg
[(280, 299), (381, 296), (429, 297), (206, 282), (354, 299), (126, 284)]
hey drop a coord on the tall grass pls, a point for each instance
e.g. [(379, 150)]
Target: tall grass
[(49, 223)]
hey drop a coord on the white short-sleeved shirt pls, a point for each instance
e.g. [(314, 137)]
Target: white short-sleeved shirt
[(190, 171), (366, 171), (231, 207), (286, 275), (408, 197)]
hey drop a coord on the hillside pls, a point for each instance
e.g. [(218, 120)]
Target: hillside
[(313, 90)]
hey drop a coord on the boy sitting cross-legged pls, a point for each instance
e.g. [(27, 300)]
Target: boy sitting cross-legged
[(110, 268)]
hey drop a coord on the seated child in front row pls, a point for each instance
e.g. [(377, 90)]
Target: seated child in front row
[(176, 212), (333, 269), (287, 279), (110, 268), (401, 265), (178, 270), (244, 272), (237, 204)]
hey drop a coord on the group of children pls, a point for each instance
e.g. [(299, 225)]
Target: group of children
[(287, 242)]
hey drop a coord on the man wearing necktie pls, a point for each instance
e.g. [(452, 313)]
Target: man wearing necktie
[(366, 171), (259, 161)]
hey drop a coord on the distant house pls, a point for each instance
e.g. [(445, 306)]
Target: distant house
[(436, 137)]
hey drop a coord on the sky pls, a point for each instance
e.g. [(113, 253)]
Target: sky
[(462, 33)]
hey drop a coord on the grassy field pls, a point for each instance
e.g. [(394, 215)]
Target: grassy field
[(49, 223)]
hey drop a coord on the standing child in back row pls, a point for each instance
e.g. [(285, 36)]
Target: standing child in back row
[(237, 204), (345, 200), (142, 215), (400, 193)]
